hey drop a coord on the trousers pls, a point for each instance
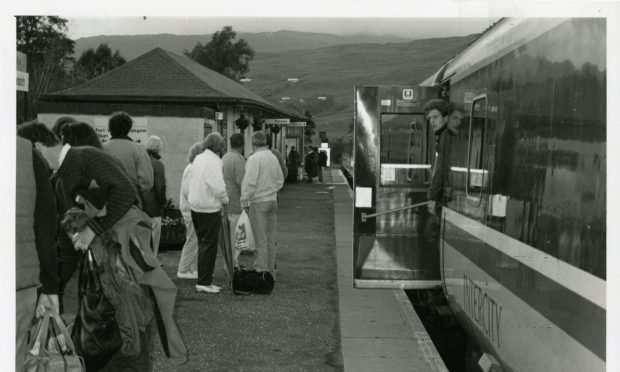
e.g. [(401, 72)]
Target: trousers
[(207, 226), (264, 221)]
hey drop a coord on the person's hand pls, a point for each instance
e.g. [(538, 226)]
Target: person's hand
[(47, 302), (431, 207), (81, 240)]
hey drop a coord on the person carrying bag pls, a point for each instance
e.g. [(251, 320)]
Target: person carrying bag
[(51, 348)]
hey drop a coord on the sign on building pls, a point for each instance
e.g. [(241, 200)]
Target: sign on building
[(277, 121), (138, 132), (22, 75)]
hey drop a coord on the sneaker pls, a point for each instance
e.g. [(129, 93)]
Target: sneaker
[(216, 286), (207, 288), (187, 275)]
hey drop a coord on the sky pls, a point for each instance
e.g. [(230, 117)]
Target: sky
[(411, 28)]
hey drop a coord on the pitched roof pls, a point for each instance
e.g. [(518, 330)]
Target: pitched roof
[(164, 76)]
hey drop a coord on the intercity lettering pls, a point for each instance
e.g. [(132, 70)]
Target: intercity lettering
[(483, 309)]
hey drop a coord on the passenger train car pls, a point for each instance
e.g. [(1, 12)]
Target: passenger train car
[(522, 250)]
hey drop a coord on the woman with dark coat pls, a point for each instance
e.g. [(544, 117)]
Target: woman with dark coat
[(155, 200)]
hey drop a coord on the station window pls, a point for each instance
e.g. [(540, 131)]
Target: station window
[(404, 159), (476, 174)]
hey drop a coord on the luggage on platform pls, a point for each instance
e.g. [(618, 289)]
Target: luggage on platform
[(247, 281)]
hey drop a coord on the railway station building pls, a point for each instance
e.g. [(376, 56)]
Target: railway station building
[(172, 97)]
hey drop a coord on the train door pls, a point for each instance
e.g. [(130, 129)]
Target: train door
[(393, 153)]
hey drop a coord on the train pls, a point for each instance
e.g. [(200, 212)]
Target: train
[(521, 257)]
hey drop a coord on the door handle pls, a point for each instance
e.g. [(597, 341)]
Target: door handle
[(365, 216)]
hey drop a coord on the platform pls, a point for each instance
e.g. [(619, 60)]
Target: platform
[(314, 320), (379, 328)]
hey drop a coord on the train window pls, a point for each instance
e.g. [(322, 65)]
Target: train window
[(476, 174), (404, 159)]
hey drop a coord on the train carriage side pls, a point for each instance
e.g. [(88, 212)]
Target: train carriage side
[(523, 249)]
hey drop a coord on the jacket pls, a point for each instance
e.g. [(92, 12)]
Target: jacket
[(134, 160), (155, 200), (36, 259), (234, 170), (440, 167), (263, 178), (207, 190)]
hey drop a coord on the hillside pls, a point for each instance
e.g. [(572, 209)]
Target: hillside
[(334, 71), (325, 65), (132, 46)]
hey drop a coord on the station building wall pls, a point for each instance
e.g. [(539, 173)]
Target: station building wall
[(178, 135)]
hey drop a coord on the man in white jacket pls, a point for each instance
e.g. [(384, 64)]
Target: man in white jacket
[(206, 197), (259, 191)]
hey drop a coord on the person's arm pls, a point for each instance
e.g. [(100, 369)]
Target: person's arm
[(144, 170), (159, 183), (239, 168), (248, 187), (279, 179), (121, 193), (45, 225), (214, 179)]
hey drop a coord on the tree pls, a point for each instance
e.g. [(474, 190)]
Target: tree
[(94, 62), (222, 55), (48, 49)]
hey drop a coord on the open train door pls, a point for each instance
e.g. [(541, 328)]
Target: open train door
[(393, 153)]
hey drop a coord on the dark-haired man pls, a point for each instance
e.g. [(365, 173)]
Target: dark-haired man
[(437, 111), (133, 157)]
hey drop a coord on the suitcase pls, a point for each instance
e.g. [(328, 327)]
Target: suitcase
[(247, 281)]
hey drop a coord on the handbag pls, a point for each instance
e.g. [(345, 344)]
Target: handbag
[(95, 332), (244, 237), (51, 348)]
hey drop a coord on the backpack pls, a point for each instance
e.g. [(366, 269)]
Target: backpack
[(247, 281)]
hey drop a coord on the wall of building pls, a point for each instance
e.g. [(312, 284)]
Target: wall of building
[(178, 134)]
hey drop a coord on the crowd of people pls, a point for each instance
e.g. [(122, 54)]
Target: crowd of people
[(118, 190), (77, 195)]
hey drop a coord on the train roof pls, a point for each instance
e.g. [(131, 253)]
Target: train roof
[(501, 38)]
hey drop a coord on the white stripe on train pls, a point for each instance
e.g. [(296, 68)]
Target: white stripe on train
[(583, 283)]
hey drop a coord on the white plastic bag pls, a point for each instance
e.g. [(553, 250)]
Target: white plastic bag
[(244, 237)]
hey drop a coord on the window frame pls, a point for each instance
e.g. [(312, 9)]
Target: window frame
[(471, 198)]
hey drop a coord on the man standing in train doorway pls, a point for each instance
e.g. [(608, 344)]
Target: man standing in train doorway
[(437, 111)]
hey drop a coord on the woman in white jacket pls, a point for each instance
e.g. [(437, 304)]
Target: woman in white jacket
[(188, 264), (206, 197)]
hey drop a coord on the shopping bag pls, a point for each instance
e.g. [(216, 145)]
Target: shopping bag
[(244, 238), (95, 331), (51, 348)]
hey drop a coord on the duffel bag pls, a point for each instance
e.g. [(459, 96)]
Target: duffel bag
[(250, 281)]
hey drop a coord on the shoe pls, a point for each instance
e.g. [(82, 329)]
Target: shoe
[(216, 286), (207, 288), (187, 275)]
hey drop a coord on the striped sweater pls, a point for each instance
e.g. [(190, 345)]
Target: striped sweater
[(79, 168)]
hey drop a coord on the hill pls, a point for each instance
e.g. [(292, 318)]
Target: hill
[(132, 46), (327, 66), (333, 72)]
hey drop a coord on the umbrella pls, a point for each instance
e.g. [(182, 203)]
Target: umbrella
[(224, 244)]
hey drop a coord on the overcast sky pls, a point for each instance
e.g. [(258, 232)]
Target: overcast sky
[(413, 28)]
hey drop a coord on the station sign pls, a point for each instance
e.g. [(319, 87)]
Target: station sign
[(277, 121), (22, 74), (138, 132), (297, 124)]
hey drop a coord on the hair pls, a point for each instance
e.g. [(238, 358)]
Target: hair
[(437, 104), (237, 140), (194, 150), (60, 123), (259, 139), (120, 124), (80, 134), (213, 142), (154, 144), (37, 132), (454, 107)]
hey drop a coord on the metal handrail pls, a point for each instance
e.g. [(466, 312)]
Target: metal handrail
[(365, 216)]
